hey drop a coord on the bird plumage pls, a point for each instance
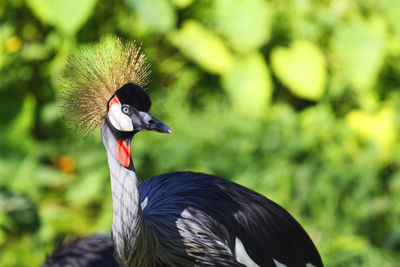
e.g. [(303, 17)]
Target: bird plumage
[(94, 251), (206, 212), (175, 219), (91, 77)]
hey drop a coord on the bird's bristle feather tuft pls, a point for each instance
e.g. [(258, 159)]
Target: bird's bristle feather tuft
[(93, 74)]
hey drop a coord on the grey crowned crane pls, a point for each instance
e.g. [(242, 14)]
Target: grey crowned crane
[(179, 218)]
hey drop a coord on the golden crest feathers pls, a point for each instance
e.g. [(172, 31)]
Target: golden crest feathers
[(93, 74)]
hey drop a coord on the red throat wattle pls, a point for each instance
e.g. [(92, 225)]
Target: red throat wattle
[(124, 152)]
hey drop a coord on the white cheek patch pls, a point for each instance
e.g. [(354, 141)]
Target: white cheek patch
[(119, 120)]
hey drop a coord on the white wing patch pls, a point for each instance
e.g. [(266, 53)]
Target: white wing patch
[(119, 120), (242, 256), (278, 264), (144, 203)]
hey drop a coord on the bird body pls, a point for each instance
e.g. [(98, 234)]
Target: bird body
[(196, 219), (180, 218), (94, 251), (210, 215)]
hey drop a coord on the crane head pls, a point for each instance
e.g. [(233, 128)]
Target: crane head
[(128, 111), (104, 83)]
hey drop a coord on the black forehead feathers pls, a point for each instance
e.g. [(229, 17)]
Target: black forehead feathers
[(134, 95)]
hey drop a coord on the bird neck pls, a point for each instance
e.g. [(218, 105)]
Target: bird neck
[(127, 213)]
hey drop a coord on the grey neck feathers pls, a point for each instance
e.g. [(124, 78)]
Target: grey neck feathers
[(127, 213)]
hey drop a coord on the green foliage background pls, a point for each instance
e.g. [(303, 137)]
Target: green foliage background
[(296, 99)]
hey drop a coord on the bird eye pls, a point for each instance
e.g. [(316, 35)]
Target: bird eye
[(125, 110)]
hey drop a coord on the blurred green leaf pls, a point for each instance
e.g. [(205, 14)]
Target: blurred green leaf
[(18, 214), (58, 217), (246, 23), (35, 52), (88, 188), (378, 128), (352, 243), (6, 32), (203, 46), (301, 67), (24, 121), (316, 122), (248, 81), (50, 113), (67, 15), (182, 3), (24, 181), (392, 9), (2, 6), (359, 46), (158, 14)]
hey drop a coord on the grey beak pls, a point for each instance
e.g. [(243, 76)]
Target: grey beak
[(145, 121), (156, 125)]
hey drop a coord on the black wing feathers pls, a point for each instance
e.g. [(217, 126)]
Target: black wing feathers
[(94, 251), (266, 230)]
